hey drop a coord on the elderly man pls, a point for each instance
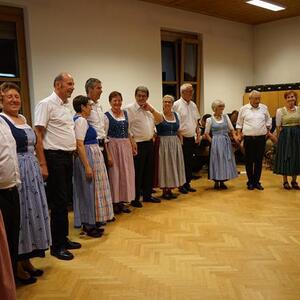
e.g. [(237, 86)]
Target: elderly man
[(189, 115), (141, 117), (10, 210), (54, 125), (93, 88), (254, 123)]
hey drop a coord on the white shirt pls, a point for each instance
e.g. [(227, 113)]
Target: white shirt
[(141, 125), (96, 119), (57, 119), (9, 166), (254, 121), (81, 127), (209, 122), (189, 116)]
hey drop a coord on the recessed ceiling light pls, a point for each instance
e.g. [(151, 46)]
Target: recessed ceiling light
[(267, 5)]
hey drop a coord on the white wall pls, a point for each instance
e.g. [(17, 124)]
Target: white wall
[(118, 41), (277, 52)]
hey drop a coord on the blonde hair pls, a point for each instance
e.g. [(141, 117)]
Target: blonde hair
[(168, 97), (185, 86), (217, 103), (254, 93)]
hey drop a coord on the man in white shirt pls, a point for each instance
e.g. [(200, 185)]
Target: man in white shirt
[(141, 126), (55, 127), (93, 88), (254, 123), (9, 196), (189, 115)]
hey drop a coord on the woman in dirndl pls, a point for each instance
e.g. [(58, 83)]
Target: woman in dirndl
[(222, 166), (35, 234), (287, 160), (120, 159), (92, 197), (171, 172)]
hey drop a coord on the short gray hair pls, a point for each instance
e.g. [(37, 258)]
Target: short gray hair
[(217, 103), (90, 83), (254, 93), (60, 77), (185, 86), (168, 97), (142, 89)]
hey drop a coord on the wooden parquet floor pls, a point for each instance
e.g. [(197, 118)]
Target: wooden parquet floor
[(235, 244)]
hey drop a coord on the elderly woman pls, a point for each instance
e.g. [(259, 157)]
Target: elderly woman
[(287, 161), (120, 158), (92, 197), (222, 165), (171, 172), (35, 236)]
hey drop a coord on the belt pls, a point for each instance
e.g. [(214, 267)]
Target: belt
[(149, 141), (254, 136), (59, 152), (9, 189)]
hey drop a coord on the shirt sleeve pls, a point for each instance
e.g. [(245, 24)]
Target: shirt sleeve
[(240, 120), (230, 126), (207, 126), (268, 119), (41, 114), (81, 127), (278, 117), (106, 124)]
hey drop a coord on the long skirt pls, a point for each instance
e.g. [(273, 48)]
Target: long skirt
[(222, 164), (7, 283), (35, 233), (121, 174), (171, 163), (92, 198), (287, 160)]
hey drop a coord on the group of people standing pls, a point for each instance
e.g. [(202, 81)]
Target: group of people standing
[(104, 161)]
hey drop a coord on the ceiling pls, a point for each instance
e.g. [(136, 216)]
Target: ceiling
[(234, 10)]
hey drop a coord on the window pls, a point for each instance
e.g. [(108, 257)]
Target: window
[(181, 62), (13, 66)]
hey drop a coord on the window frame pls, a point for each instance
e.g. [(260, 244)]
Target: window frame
[(16, 15)]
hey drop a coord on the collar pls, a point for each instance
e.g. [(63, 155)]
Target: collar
[(251, 107), (58, 99), (185, 102), (136, 106)]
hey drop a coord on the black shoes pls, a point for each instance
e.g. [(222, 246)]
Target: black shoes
[(61, 253), (258, 186), (168, 196), (124, 208), (93, 231), (295, 185), (223, 186), (69, 245), (29, 280), (152, 200), (183, 190), (216, 186), (250, 187), (136, 203), (35, 273)]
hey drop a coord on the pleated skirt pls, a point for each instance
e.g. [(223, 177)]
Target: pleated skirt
[(121, 174), (170, 163), (92, 198), (222, 164), (287, 160)]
